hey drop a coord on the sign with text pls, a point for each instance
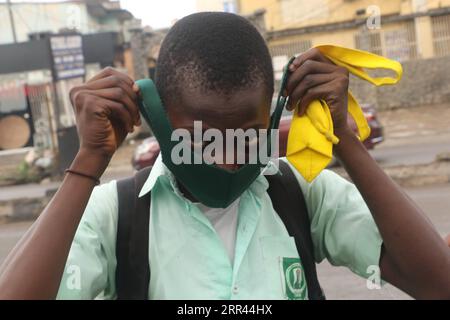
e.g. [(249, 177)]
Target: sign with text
[(68, 59)]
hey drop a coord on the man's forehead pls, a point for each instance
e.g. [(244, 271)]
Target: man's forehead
[(212, 103), (241, 109)]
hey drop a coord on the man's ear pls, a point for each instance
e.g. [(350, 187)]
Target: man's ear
[(448, 240)]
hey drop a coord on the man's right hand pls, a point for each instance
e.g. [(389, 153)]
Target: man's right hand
[(106, 111)]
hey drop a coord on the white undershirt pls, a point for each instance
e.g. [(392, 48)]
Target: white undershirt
[(224, 221)]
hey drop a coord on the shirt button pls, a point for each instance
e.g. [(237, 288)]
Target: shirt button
[(235, 290)]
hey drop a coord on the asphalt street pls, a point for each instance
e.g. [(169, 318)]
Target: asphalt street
[(410, 154)]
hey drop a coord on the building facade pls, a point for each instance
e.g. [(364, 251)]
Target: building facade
[(45, 50), (399, 29), (85, 16)]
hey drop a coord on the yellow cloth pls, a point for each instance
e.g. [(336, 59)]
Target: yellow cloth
[(311, 137)]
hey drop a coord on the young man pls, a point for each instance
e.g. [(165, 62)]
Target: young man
[(216, 68)]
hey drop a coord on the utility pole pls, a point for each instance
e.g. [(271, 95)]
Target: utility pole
[(11, 20)]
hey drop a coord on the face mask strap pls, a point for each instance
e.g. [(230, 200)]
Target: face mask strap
[(281, 100), (153, 111), (281, 104)]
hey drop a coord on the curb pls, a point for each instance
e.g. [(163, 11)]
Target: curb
[(22, 209)]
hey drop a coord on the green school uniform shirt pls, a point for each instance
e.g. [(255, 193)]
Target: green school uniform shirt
[(188, 259)]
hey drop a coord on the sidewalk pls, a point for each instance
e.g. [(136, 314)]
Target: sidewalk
[(120, 167), (36, 190), (25, 202)]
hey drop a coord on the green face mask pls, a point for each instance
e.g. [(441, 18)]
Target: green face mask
[(211, 185)]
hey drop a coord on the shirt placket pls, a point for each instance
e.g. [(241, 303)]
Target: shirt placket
[(248, 216)]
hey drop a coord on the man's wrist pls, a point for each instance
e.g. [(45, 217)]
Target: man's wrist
[(344, 133), (347, 139), (90, 163)]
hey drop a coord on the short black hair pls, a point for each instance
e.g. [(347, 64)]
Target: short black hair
[(213, 51)]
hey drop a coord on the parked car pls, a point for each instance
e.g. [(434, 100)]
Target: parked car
[(146, 153)]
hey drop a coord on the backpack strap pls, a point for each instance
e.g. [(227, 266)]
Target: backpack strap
[(294, 215), (133, 269)]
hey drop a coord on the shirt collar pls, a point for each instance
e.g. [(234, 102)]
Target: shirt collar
[(259, 186), (158, 170)]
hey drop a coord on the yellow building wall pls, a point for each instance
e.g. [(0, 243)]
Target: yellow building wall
[(292, 14), (342, 38), (286, 14)]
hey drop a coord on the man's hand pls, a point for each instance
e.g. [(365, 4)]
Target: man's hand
[(314, 77), (106, 111)]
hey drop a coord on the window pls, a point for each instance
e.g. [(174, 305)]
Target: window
[(290, 49), (369, 41), (400, 43), (395, 43), (441, 35)]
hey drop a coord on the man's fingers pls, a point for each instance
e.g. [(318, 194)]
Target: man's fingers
[(311, 54), (308, 82), (113, 81), (109, 71), (307, 68), (109, 80), (118, 112), (314, 93), (119, 95)]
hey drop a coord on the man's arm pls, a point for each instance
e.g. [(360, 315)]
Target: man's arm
[(106, 111), (414, 257)]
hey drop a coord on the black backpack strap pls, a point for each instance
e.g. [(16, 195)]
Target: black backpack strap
[(133, 269), (289, 202)]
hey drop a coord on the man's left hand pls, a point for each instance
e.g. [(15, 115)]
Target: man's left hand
[(315, 77)]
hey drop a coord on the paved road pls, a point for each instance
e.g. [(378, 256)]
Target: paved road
[(338, 283), (410, 154)]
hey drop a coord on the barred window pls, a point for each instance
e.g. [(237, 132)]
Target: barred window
[(400, 44), (290, 49), (441, 35), (397, 44), (369, 41)]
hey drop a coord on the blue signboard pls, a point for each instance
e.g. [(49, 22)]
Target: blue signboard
[(68, 58)]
